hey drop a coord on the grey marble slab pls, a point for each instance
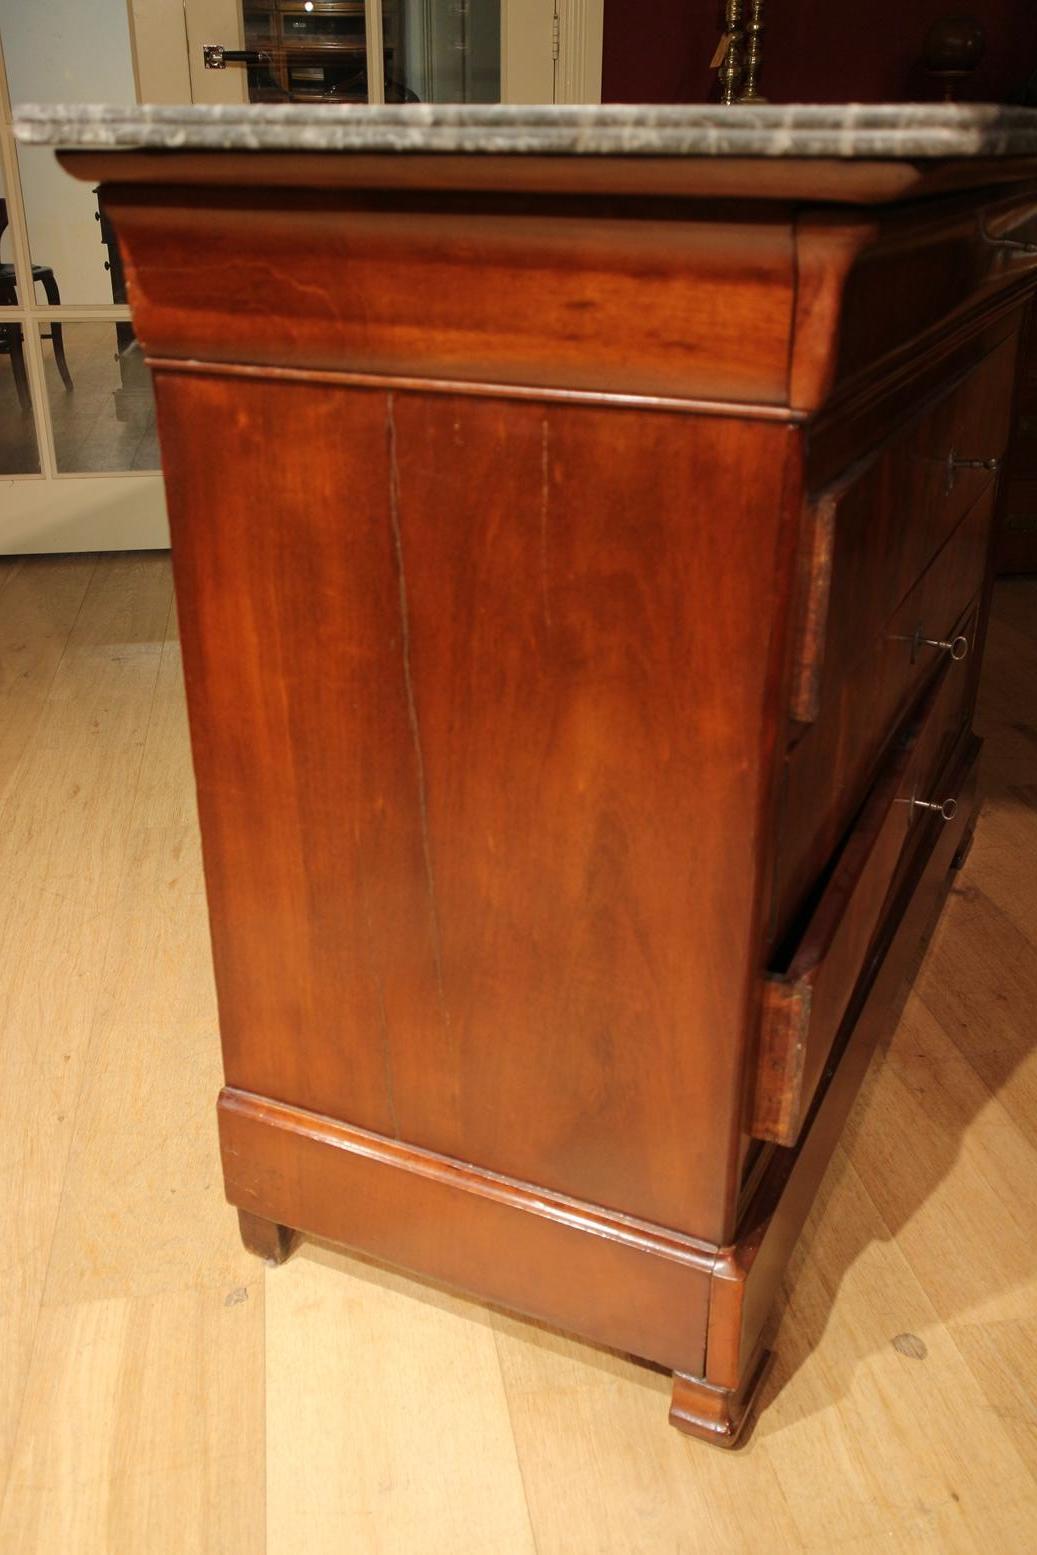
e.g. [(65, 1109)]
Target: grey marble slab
[(906, 130)]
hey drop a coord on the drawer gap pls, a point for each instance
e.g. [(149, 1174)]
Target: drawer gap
[(784, 951)]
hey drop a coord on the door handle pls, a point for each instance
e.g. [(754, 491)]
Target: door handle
[(216, 57)]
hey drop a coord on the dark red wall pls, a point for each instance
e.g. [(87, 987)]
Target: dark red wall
[(819, 51)]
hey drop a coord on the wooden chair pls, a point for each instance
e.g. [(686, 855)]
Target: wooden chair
[(11, 341)]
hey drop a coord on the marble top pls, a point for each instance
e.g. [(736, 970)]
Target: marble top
[(905, 130)]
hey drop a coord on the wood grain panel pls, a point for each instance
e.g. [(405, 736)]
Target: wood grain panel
[(570, 674), (453, 764), (304, 758), (635, 295)]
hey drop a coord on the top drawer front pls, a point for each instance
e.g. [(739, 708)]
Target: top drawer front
[(870, 537), (917, 271)]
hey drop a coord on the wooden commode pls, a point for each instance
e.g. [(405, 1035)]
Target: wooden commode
[(581, 523)]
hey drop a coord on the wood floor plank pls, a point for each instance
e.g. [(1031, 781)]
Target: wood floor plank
[(871, 1443), (839, 1460), (63, 840), (387, 1421), (1002, 1356), (38, 609), (979, 981), (144, 1244), (953, 1199), (1014, 606), (954, 1203), (1004, 856), (1006, 714), (604, 1471), (960, 1077), (146, 1112), (127, 1398)]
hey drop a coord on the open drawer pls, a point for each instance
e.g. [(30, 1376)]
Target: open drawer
[(807, 992)]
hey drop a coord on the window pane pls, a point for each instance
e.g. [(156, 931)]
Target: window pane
[(314, 52), (436, 51), (101, 404), (18, 452), (442, 51), (66, 53), (65, 244)]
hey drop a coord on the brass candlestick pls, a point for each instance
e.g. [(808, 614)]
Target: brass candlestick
[(731, 64), (753, 32)]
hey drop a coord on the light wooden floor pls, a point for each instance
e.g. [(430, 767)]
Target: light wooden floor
[(105, 422), (160, 1391)]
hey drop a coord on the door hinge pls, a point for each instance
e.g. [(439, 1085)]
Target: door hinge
[(556, 35)]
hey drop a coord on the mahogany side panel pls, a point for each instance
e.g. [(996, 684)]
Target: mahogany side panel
[(290, 624), (456, 762), (583, 714), (650, 297)]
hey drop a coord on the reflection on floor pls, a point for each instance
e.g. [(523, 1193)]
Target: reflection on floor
[(107, 420)]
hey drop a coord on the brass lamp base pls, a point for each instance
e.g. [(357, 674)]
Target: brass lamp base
[(740, 64)]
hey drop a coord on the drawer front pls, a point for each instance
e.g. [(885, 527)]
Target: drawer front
[(869, 537), (805, 998), (828, 769), (929, 265)]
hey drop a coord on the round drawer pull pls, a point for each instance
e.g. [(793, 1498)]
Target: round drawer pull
[(957, 648), (947, 808)]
